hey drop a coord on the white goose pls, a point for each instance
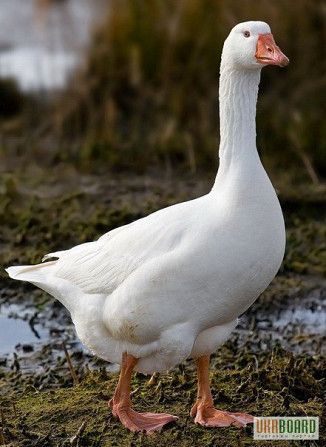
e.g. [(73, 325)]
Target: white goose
[(170, 286)]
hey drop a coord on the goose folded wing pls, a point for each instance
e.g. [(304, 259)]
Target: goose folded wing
[(101, 266)]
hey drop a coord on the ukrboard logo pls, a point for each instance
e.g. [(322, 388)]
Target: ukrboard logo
[(282, 427)]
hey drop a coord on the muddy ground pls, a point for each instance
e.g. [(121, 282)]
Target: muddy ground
[(272, 365)]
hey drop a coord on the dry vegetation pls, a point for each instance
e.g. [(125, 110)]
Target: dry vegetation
[(148, 93)]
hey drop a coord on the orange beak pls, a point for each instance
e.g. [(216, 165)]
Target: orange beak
[(268, 53)]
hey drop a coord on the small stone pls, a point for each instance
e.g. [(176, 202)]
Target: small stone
[(28, 348)]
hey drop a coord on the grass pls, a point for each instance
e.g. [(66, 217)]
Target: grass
[(273, 383)]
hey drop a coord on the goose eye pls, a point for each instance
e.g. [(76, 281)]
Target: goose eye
[(246, 33)]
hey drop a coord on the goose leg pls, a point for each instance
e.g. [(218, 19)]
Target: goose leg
[(203, 410), (121, 407)]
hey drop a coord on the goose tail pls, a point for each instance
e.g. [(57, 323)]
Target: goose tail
[(30, 273), (36, 272), (43, 276)]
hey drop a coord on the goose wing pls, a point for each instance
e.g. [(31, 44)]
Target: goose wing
[(101, 266)]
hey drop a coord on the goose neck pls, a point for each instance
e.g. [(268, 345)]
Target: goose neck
[(238, 93)]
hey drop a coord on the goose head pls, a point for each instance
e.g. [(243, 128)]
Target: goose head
[(251, 45)]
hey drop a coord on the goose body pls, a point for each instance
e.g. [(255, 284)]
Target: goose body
[(172, 285)]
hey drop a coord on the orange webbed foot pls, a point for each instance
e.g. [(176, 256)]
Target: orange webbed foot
[(141, 422), (209, 416), (120, 403)]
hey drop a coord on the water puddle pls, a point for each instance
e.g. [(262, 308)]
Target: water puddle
[(34, 336), (35, 341), (19, 332), (297, 324)]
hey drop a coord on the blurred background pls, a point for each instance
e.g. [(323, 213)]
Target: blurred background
[(131, 85), (108, 112)]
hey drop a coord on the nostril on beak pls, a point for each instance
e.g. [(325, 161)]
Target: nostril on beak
[(269, 49)]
